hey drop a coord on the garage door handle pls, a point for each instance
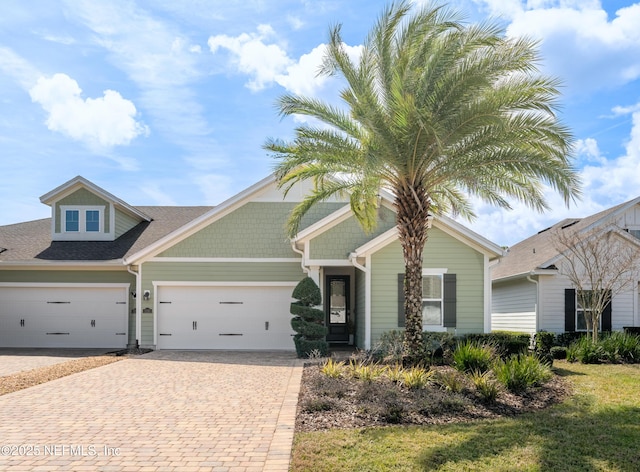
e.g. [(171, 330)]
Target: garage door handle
[(164, 334), (59, 303), (120, 334), (229, 334), (194, 325), (22, 322), (58, 333)]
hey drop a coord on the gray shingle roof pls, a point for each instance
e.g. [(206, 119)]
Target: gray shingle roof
[(31, 241), (534, 252)]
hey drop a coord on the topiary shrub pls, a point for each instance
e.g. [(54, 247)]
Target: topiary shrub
[(308, 321)]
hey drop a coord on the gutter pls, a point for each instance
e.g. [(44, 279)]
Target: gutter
[(305, 269)]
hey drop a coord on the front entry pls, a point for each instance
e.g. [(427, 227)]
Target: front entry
[(337, 307)]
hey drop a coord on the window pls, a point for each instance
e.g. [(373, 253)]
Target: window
[(80, 220), (72, 221), (583, 310), (432, 300), (92, 221)]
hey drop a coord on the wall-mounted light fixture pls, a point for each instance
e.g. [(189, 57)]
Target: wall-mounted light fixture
[(133, 294), (146, 295)]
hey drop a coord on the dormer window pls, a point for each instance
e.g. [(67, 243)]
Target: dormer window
[(82, 219)]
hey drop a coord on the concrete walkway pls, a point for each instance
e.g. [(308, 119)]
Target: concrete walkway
[(164, 411)]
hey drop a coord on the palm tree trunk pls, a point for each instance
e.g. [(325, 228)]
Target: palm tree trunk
[(412, 206)]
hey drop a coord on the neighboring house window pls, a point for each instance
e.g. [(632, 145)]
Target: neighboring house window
[(92, 220), (82, 220), (584, 312), (72, 221), (432, 300), (574, 313)]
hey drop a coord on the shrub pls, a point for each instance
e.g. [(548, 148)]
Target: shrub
[(621, 347), (506, 343), (567, 339), (416, 378), (389, 347), (364, 372), (544, 341), (559, 352), (394, 373), (308, 320), (437, 346), (584, 350), (520, 372), (473, 355), (318, 404), (486, 385), (450, 380), (332, 368)]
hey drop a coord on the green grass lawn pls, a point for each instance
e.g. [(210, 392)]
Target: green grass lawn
[(597, 429)]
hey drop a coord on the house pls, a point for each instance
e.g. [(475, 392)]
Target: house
[(103, 273), (531, 294)]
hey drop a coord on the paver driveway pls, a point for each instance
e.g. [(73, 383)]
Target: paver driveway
[(14, 360), (164, 411)]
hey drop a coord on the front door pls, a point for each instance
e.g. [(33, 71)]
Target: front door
[(337, 307)]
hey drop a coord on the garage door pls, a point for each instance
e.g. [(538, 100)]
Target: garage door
[(234, 317), (64, 316)]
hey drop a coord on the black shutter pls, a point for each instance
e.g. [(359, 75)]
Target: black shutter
[(401, 317), (569, 310), (450, 301), (606, 314)]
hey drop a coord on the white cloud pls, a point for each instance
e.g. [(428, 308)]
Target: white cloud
[(16, 67), (252, 56), (269, 63), (579, 42), (295, 22), (104, 122), (216, 188), (588, 148)]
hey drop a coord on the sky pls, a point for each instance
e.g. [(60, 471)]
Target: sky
[(169, 102)]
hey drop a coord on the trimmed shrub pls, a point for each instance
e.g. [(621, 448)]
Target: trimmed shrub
[(521, 372), (308, 320), (567, 339), (559, 352), (506, 343), (473, 355), (544, 341)]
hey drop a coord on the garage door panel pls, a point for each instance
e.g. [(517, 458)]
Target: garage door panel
[(63, 316), (224, 317)]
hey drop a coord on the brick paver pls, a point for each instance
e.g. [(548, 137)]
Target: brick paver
[(164, 411), (13, 360)]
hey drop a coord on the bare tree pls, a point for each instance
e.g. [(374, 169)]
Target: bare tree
[(599, 264)]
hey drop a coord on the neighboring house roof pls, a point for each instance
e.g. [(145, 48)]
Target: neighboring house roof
[(30, 242), (539, 251)]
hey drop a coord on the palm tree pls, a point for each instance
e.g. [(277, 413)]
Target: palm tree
[(437, 112)]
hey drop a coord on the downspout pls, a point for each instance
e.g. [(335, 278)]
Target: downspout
[(138, 304), (301, 252), (537, 299), (367, 299)]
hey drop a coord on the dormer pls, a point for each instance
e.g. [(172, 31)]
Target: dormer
[(82, 211)]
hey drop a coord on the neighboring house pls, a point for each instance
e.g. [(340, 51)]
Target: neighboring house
[(103, 273), (530, 294)]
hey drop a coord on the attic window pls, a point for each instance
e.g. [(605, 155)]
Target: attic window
[(81, 219)]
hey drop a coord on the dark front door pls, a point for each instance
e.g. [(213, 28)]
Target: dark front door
[(337, 307)]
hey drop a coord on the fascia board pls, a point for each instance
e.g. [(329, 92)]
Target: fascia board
[(611, 215), (377, 243), (202, 221), (324, 224), (526, 274)]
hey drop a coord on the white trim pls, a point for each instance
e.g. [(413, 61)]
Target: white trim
[(329, 262), (433, 271), (200, 222), (225, 259), (182, 283), (487, 294), (367, 303), (52, 197), (325, 224), (66, 285), (66, 265), (525, 274)]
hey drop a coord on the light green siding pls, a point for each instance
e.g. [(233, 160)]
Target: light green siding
[(78, 277), (124, 223), (339, 241), (441, 251), (256, 229), (83, 197), (210, 272)]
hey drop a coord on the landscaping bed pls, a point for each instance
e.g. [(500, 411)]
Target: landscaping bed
[(327, 402)]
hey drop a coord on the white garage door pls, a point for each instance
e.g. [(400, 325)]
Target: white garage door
[(63, 316), (255, 317)]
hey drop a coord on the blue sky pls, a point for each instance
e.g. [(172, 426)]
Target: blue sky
[(165, 102)]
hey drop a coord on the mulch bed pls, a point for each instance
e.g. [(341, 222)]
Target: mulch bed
[(327, 403)]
